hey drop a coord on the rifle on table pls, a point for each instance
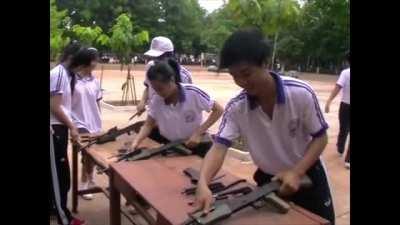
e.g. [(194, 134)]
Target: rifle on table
[(215, 187), (142, 153), (112, 134), (225, 208), (194, 175), (174, 146)]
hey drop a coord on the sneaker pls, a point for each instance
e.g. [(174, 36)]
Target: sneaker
[(347, 165), (85, 186), (76, 221)]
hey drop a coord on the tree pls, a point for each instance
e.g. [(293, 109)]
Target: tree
[(218, 26), (271, 16), (123, 43), (90, 36), (325, 33), (58, 20)]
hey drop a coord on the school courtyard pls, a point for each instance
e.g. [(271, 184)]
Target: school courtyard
[(221, 87)]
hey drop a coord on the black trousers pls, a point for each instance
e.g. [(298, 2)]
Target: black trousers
[(344, 126), (59, 174), (316, 199), (200, 150)]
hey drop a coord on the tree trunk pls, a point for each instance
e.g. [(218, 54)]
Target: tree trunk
[(274, 50)]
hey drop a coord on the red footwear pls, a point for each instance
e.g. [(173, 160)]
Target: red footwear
[(76, 221)]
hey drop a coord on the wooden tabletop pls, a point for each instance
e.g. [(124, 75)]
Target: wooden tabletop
[(102, 153), (160, 182)]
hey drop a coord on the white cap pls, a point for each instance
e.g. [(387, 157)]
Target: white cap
[(160, 45)]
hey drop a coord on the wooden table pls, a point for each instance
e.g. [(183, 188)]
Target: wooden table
[(100, 154), (160, 182)]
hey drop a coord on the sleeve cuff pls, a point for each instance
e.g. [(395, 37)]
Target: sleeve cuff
[(210, 105), (56, 92), (341, 85), (321, 132), (221, 140)]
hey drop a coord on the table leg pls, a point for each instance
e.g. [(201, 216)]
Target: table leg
[(161, 220), (74, 179), (115, 201)]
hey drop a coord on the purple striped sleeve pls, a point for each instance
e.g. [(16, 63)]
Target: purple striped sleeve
[(316, 104), (200, 92), (221, 140), (227, 110), (320, 132), (56, 92)]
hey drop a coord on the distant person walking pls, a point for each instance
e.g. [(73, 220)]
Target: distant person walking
[(343, 84)]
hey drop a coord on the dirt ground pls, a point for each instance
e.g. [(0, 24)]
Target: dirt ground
[(221, 87)]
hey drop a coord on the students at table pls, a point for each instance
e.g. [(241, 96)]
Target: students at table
[(175, 111), (281, 122)]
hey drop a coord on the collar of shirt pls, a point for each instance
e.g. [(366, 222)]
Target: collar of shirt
[(280, 97), (84, 78), (181, 93)]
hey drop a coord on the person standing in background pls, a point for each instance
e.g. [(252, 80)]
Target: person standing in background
[(161, 48), (343, 84)]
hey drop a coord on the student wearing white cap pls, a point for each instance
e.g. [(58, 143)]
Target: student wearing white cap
[(161, 48), (281, 122), (175, 112), (61, 86), (343, 83), (86, 107)]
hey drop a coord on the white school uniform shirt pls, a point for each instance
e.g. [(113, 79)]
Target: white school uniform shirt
[(60, 85), (278, 144), (85, 111), (186, 78), (177, 122), (344, 82)]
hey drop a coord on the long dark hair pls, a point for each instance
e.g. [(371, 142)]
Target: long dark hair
[(165, 71), (83, 57), (69, 52)]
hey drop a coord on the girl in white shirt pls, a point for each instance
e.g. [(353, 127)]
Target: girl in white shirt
[(86, 107)]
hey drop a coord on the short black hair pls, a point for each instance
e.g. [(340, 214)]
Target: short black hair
[(84, 57), (348, 56), (164, 71), (245, 45), (70, 50)]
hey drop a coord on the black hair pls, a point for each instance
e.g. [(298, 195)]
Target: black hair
[(348, 56), (245, 45), (70, 50), (83, 57), (165, 71), (166, 56)]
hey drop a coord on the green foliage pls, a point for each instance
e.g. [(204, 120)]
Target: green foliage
[(58, 20), (90, 36), (123, 41), (316, 33)]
